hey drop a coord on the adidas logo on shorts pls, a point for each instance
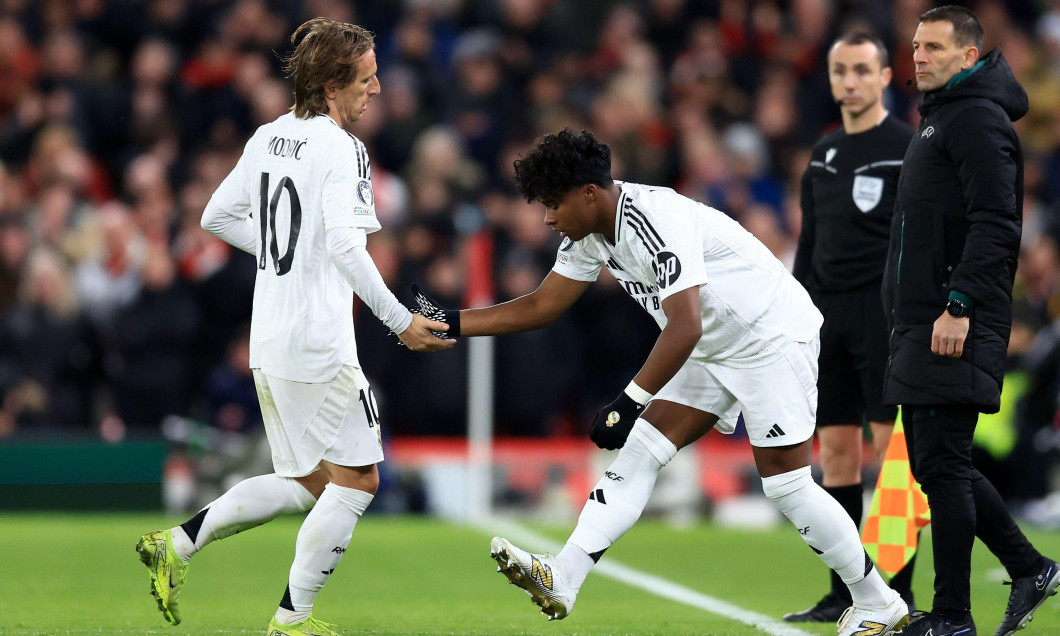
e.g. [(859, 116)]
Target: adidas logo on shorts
[(776, 431)]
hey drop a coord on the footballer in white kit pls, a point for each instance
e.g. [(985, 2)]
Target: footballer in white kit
[(300, 201), (754, 314), (298, 178), (737, 334)]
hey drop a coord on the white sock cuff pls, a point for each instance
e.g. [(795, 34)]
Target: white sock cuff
[(301, 496), (661, 448), (355, 500), (589, 539), (302, 600), (784, 484), (854, 569)]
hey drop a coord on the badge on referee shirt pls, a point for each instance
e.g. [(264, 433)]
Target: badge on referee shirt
[(867, 192)]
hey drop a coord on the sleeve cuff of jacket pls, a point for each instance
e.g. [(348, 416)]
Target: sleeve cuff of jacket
[(956, 295)]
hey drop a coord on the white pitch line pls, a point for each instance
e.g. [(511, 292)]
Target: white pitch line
[(649, 582)]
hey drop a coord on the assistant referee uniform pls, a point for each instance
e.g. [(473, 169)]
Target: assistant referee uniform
[(848, 195)]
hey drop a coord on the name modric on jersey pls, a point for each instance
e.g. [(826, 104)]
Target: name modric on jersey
[(285, 148)]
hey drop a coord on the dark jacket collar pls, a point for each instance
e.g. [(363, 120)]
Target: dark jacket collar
[(991, 78)]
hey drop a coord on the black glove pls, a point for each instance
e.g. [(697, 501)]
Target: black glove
[(612, 424), (430, 308)]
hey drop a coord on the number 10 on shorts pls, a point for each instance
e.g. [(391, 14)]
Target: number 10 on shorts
[(371, 409)]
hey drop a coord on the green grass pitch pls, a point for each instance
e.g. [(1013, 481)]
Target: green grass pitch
[(66, 574)]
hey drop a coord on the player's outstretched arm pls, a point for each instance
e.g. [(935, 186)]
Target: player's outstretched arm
[(540, 308), (347, 251), (535, 310)]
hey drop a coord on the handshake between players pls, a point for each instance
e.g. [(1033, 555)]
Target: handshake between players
[(611, 425)]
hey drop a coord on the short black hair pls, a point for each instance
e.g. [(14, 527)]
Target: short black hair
[(561, 162), (855, 38), (966, 28)]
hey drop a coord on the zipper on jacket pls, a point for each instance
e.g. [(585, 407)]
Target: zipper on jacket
[(901, 249)]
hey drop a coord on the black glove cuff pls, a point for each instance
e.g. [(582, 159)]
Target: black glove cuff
[(626, 404), (452, 316)]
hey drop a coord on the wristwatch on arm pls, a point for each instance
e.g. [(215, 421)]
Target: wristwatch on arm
[(959, 305)]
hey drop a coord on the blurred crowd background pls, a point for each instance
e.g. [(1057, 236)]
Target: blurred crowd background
[(118, 118)]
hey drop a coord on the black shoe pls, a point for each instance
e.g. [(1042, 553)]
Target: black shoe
[(1028, 594), (827, 610), (924, 623)]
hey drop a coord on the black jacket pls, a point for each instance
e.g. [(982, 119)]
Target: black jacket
[(956, 229)]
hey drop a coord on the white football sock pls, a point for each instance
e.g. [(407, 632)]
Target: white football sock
[(616, 501), (322, 541), (574, 564), (830, 532), (249, 503)]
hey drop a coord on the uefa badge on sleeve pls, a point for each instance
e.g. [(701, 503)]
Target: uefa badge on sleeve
[(364, 192)]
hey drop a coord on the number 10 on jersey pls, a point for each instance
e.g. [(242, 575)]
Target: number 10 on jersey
[(267, 213)]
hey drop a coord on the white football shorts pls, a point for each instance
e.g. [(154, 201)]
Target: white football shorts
[(305, 422), (778, 399)]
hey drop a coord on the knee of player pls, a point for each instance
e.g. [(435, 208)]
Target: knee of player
[(367, 480), (371, 484), (363, 478), (314, 482)]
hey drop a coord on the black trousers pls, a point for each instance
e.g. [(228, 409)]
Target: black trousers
[(964, 504)]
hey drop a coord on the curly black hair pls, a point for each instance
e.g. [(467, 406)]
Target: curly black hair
[(560, 163)]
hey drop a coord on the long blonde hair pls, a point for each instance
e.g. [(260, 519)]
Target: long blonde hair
[(328, 51)]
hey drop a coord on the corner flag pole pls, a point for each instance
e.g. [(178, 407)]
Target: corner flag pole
[(480, 381)]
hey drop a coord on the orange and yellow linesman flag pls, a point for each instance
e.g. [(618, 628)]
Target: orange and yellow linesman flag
[(899, 509)]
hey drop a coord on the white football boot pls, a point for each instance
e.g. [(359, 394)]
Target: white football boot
[(882, 621), (538, 575)]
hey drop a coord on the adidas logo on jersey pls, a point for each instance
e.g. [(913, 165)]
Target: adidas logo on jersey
[(776, 431)]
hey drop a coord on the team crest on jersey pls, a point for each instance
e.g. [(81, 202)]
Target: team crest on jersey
[(867, 192), (667, 269), (930, 130), (364, 192)]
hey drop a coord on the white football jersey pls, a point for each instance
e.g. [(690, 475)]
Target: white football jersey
[(666, 242), (298, 177)]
